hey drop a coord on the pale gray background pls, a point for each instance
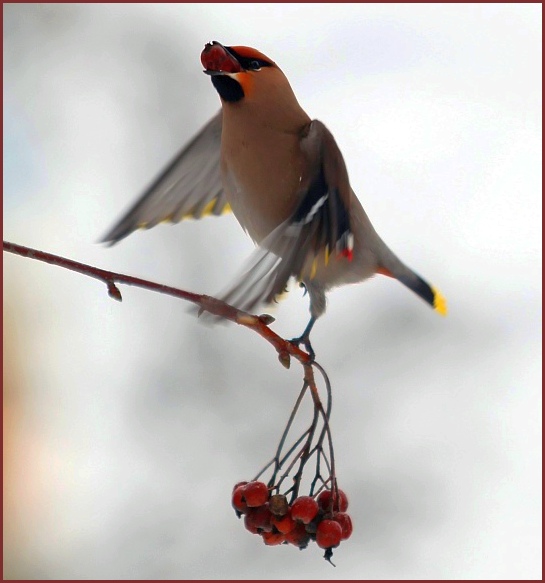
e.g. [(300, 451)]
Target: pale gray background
[(129, 423)]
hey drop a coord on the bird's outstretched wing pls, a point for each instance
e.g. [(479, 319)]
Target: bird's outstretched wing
[(318, 230), (189, 187)]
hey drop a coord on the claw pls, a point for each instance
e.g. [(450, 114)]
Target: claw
[(304, 339)]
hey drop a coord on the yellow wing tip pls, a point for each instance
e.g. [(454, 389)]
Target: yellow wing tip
[(313, 268), (439, 302), (207, 211)]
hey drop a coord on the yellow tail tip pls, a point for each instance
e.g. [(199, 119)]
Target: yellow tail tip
[(439, 302)]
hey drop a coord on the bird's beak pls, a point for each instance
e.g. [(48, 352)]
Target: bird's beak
[(217, 60)]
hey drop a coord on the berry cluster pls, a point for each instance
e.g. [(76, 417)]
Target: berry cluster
[(322, 519)]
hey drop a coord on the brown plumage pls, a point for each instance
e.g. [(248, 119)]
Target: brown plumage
[(284, 178)]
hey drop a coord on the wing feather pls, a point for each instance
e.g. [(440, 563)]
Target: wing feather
[(189, 187)]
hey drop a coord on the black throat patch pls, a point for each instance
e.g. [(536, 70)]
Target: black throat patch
[(229, 89)]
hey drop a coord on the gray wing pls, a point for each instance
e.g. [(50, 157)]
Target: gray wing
[(319, 229), (266, 274), (189, 187)]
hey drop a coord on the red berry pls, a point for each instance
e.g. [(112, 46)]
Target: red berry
[(237, 499), (273, 538), (328, 534), (328, 502), (298, 536), (256, 494), (346, 524), (305, 508), (215, 58), (258, 520), (284, 524)]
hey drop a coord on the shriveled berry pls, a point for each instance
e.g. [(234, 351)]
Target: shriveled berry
[(278, 505), (256, 494), (328, 501), (258, 519), (298, 536), (284, 524), (346, 524), (304, 508), (312, 526), (273, 538), (237, 500), (328, 534)]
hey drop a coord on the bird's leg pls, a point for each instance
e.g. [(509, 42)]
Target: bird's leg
[(304, 339)]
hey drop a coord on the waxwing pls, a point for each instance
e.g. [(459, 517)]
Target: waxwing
[(284, 178)]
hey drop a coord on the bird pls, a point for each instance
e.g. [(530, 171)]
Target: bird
[(284, 178)]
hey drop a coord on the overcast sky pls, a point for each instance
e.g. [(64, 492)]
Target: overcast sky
[(128, 424)]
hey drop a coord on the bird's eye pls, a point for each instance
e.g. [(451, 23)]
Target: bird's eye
[(254, 65)]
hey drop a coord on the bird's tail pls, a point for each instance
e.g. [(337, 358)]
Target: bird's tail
[(431, 295)]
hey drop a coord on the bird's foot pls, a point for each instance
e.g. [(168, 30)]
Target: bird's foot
[(304, 339)]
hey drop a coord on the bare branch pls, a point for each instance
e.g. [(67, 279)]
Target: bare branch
[(259, 324)]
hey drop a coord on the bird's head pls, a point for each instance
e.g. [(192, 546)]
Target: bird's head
[(237, 72), (252, 85)]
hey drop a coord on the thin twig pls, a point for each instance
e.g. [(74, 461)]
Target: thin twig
[(276, 459), (259, 324), (284, 348)]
